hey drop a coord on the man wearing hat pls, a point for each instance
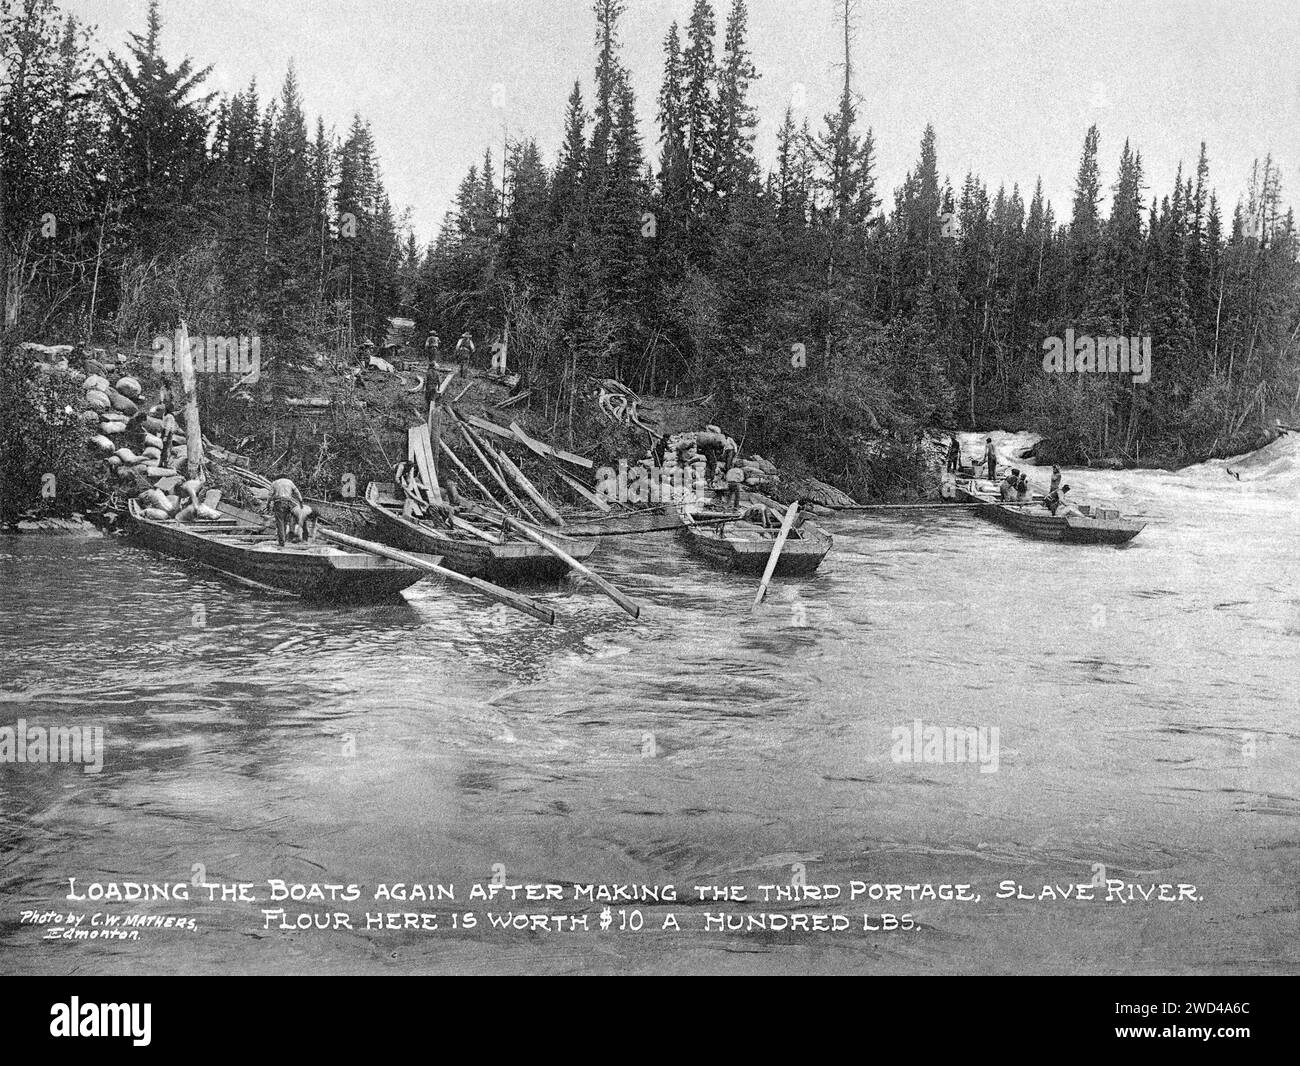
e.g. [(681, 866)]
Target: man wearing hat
[(464, 349)]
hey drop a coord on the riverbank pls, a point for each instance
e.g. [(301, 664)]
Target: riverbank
[(331, 426)]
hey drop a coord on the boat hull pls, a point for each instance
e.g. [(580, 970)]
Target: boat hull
[(512, 563), (1041, 525), (312, 572), (745, 547), (622, 523)]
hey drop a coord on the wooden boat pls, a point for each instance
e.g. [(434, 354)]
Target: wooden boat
[(621, 523), (745, 546), (1093, 526), (506, 563), (243, 546)]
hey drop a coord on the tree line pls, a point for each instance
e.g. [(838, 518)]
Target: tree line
[(132, 196), (826, 317)]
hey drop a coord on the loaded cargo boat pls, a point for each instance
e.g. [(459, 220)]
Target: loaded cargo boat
[(474, 550), (1093, 525), (243, 545), (745, 546)]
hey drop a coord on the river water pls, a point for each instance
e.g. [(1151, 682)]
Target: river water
[(1144, 701)]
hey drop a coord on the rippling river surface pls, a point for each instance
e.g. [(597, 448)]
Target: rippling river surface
[(1145, 702)]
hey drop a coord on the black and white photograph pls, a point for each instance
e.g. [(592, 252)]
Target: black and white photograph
[(651, 487)]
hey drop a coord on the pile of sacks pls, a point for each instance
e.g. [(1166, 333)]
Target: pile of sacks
[(111, 401), (684, 450), (108, 409), (759, 472), (682, 460), (157, 505)]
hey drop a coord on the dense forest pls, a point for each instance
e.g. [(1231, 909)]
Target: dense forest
[(826, 316)]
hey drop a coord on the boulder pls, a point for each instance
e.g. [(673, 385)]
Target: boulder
[(128, 387), (97, 400)]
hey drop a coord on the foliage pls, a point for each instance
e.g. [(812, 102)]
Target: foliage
[(43, 457), (676, 267)]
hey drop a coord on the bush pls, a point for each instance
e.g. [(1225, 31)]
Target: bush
[(44, 465)]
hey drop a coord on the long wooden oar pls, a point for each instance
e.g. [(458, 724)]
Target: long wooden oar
[(507, 464), (446, 450), (474, 531), (629, 605), (786, 524), (471, 439), (510, 599)]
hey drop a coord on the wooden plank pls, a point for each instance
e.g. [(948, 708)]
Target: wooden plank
[(537, 448), (430, 465), (435, 431), (417, 442), (629, 605), (446, 450), (509, 434), (193, 432), (414, 456), (518, 475), (581, 489), (474, 443), (474, 531), (772, 559), (510, 599)]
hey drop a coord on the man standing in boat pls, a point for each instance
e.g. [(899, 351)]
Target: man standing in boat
[(735, 481), (991, 458), (287, 507), (954, 454)]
